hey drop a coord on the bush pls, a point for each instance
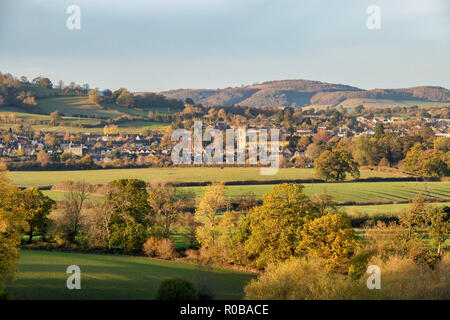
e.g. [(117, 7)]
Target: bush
[(176, 289), (191, 255), (358, 264), (300, 279), (163, 248), (150, 247), (166, 249), (401, 278), (213, 254)]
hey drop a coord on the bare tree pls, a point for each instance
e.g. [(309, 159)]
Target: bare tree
[(167, 203), (72, 210)]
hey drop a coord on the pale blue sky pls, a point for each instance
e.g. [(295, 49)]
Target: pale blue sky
[(157, 45)]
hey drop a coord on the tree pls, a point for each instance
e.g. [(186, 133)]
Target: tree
[(111, 129), (72, 208), (94, 96), (271, 232), (247, 201), (176, 289), (426, 162), (334, 165), (313, 151), (303, 143), (206, 211), (44, 82), (12, 223), (379, 131), (167, 203), (51, 141), (38, 207), (439, 225), (87, 161), (55, 116), (415, 217), (43, 158), (331, 238), (125, 99), (128, 199)]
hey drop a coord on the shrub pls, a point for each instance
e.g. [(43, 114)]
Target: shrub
[(176, 289), (151, 246), (401, 278), (166, 249), (213, 254), (163, 248), (191, 255), (300, 279), (358, 264)]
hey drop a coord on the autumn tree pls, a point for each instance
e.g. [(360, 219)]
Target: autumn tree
[(125, 99), (71, 218), (331, 238), (334, 165), (43, 158), (38, 207), (208, 205), (94, 96), (271, 232), (439, 225), (167, 203), (55, 116), (12, 223)]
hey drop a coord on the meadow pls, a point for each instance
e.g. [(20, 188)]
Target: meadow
[(383, 209), (42, 275), (352, 191), (47, 178)]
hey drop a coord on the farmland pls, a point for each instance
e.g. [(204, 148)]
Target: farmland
[(47, 178), (353, 191), (42, 275), (384, 209)]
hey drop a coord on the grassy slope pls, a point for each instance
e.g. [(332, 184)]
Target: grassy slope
[(80, 105), (42, 275), (46, 178)]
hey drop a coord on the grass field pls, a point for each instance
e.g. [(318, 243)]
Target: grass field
[(384, 209), (357, 192), (42, 275), (70, 105), (46, 178), (352, 191)]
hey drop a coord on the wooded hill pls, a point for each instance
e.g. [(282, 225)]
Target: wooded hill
[(306, 92)]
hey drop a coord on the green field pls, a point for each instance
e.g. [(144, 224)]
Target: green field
[(42, 275), (70, 105), (353, 191), (75, 105), (47, 178), (384, 209)]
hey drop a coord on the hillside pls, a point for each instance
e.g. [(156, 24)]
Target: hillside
[(306, 92)]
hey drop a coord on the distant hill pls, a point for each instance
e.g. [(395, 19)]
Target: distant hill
[(301, 93)]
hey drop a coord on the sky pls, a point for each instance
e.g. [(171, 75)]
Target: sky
[(156, 45)]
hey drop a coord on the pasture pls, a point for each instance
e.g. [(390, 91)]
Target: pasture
[(42, 275), (47, 178), (383, 209), (352, 191)]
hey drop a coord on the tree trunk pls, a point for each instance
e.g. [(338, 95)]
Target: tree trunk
[(30, 235)]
